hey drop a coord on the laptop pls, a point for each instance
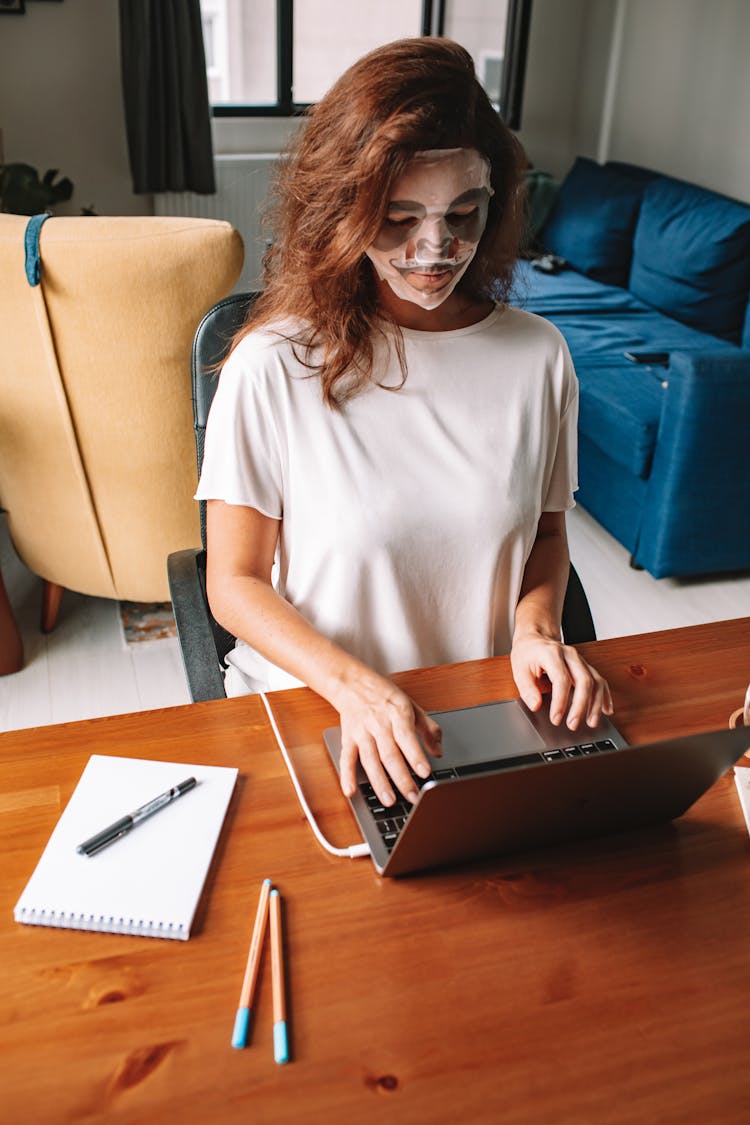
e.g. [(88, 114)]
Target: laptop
[(510, 780)]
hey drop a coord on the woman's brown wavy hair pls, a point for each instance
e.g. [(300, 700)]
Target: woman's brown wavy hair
[(333, 186)]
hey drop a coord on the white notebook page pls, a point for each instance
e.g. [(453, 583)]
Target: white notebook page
[(149, 881)]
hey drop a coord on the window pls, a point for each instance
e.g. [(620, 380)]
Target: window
[(272, 58)]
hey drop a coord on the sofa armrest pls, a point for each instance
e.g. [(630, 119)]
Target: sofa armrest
[(699, 485), (185, 571)]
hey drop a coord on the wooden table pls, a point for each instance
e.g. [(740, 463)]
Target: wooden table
[(596, 983)]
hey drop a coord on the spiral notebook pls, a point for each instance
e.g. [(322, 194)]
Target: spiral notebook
[(148, 882)]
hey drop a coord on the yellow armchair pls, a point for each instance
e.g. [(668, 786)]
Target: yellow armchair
[(97, 453)]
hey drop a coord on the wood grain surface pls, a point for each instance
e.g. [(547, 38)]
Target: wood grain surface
[(606, 982)]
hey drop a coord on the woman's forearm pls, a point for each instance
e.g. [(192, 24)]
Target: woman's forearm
[(381, 726), (545, 580), (249, 608)]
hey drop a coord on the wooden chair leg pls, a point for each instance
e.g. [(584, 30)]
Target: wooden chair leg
[(51, 598), (11, 647)]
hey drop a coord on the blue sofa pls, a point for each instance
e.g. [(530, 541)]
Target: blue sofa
[(653, 264)]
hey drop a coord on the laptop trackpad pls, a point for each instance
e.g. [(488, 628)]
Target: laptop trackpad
[(484, 733)]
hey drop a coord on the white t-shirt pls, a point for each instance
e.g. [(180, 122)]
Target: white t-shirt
[(408, 515)]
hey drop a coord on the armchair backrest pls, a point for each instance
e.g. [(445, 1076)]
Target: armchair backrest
[(96, 442)]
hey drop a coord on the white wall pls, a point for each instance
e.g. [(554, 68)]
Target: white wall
[(550, 103), (61, 101), (683, 97), (683, 100), (682, 103)]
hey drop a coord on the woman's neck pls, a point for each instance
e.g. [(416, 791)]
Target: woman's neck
[(456, 311)]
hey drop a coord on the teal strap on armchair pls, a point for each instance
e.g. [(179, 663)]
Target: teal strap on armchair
[(33, 259)]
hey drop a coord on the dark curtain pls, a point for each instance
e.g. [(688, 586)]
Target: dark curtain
[(167, 113)]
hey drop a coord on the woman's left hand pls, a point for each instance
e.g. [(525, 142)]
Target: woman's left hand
[(534, 656)]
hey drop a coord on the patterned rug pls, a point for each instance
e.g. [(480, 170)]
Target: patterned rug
[(144, 622)]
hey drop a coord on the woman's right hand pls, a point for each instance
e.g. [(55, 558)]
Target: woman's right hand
[(381, 727)]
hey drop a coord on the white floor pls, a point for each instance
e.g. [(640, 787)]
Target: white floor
[(84, 668)]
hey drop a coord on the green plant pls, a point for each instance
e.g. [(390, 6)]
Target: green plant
[(22, 192)]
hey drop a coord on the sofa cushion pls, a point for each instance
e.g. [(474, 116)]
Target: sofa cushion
[(593, 218), (691, 256), (635, 172), (619, 411), (569, 291), (600, 341)]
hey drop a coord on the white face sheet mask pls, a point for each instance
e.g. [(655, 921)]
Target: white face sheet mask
[(435, 219)]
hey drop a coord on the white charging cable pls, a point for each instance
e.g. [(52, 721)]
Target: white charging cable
[(356, 850)]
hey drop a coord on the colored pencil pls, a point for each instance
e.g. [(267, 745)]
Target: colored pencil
[(242, 1019), (280, 1039)]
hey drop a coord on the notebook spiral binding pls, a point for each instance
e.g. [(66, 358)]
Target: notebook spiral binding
[(101, 924)]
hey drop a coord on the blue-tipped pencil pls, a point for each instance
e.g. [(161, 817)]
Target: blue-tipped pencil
[(280, 1039), (242, 1019)]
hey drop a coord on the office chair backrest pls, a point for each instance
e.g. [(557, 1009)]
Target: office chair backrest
[(212, 341), (577, 622)]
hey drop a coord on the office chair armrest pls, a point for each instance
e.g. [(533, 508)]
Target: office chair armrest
[(192, 617)]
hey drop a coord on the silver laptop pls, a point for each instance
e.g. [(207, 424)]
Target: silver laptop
[(510, 780)]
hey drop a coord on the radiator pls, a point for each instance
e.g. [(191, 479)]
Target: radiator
[(242, 183)]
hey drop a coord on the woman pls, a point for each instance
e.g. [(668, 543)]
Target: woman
[(396, 444)]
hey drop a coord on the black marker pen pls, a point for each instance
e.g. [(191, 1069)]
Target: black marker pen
[(108, 835)]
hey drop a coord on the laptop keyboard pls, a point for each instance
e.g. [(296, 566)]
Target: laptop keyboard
[(391, 819)]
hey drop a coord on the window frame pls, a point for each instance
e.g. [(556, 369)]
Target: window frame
[(433, 22)]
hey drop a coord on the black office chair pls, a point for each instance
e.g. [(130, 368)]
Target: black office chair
[(203, 642)]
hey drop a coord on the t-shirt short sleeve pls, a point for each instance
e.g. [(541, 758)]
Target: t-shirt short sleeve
[(564, 476), (241, 460)]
